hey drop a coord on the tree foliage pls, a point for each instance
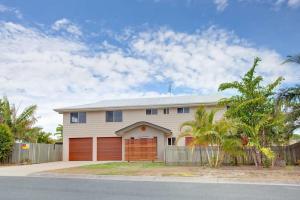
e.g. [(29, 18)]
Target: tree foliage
[(6, 141), (22, 124), (254, 108), (288, 100), (209, 133), (294, 59), (19, 124), (59, 132)]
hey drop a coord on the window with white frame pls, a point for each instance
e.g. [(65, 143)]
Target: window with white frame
[(166, 111), (78, 117), (183, 110), (171, 141), (151, 111), (114, 116)]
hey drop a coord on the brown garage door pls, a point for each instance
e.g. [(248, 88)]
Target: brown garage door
[(80, 149), (109, 148), (143, 149)]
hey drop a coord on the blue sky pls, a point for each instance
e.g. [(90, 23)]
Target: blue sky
[(58, 53)]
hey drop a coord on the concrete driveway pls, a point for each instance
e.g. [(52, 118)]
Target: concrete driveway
[(25, 170)]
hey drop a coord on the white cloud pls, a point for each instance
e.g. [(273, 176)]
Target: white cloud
[(293, 3), (221, 4), (53, 71), (66, 25), (202, 61), (7, 9), (277, 4)]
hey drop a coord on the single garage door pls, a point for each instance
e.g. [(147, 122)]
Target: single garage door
[(80, 149), (143, 149), (109, 148)]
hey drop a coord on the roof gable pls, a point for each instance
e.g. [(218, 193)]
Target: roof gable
[(123, 131)]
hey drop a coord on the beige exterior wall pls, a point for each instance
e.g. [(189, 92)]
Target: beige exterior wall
[(96, 126)]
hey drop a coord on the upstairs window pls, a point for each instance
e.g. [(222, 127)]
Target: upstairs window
[(151, 111), (171, 141), (183, 110), (114, 116), (166, 111), (78, 117)]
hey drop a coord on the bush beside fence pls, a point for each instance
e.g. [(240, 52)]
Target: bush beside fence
[(182, 155), (36, 153)]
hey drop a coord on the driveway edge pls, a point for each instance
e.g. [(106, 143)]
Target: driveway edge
[(157, 179)]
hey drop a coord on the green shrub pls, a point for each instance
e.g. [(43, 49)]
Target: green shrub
[(268, 156), (6, 141)]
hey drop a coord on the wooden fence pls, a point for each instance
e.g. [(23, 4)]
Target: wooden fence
[(183, 155), (34, 153), (144, 149)]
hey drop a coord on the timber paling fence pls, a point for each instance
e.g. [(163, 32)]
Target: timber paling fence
[(183, 155), (34, 153)]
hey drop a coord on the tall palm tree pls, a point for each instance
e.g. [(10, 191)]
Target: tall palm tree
[(19, 124), (209, 133), (294, 59), (288, 99), (59, 132)]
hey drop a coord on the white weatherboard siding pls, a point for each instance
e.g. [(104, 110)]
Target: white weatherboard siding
[(96, 125)]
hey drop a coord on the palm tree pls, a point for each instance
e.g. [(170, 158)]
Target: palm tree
[(294, 59), (209, 134), (288, 99), (19, 124), (59, 132)]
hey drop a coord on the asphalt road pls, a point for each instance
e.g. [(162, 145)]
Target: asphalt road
[(33, 188)]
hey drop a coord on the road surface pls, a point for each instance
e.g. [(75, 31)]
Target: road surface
[(37, 188)]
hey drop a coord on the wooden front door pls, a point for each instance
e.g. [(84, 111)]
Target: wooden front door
[(143, 149), (109, 148), (81, 149)]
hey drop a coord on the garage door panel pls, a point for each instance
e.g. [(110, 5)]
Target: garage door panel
[(109, 148), (81, 149), (144, 149)]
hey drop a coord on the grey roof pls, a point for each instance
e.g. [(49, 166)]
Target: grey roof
[(122, 131), (134, 103)]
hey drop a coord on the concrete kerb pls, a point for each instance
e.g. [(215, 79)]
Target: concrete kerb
[(157, 179)]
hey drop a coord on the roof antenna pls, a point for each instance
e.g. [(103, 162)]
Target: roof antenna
[(170, 88)]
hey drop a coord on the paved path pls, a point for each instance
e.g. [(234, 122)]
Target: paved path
[(33, 188), (25, 170)]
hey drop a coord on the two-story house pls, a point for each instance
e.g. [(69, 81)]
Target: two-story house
[(99, 131)]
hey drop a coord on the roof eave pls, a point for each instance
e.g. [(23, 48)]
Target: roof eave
[(62, 110)]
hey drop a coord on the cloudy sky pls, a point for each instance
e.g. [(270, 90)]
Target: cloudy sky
[(56, 53)]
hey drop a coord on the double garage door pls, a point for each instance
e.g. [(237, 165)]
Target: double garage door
[(108, 148)]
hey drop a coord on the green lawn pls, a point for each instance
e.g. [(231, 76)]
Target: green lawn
[(115, 168), (125, 165), (289, 174)]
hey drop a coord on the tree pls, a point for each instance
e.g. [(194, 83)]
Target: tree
[(59, 132), (209, 133), (288, 100), (19, 124), (6, 141), (253, 107), (294, 59), (44, 137)]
